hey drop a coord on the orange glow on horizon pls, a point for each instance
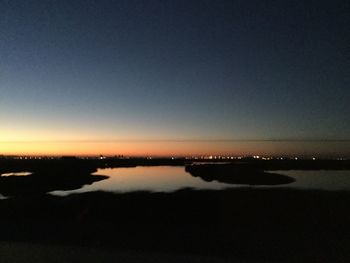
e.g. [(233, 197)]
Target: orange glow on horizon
[(112, 148), (168, 148)]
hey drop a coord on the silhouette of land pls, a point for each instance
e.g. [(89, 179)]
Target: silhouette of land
[(244, 223), (46, 176), (35, 184), (237, 174)]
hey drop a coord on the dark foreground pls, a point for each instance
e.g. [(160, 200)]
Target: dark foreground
[(244, 224)]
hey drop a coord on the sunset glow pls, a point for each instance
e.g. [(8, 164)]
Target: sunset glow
[(172, 79)]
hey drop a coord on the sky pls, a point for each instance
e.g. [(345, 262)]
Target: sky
[(174, 77)]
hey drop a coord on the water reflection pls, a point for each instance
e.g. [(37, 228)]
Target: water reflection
[(172, 178), (154, 179), (319, 180), (16, 174)]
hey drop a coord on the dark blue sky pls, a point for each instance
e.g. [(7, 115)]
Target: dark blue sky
[(114, 70)]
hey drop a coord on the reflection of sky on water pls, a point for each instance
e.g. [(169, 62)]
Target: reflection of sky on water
[(318, 179), (143, 178), (171, 178), (16, 174), (13, 174)]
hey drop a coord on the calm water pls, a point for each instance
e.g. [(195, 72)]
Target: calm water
[(153, 178), (16, 174), (171, 178), (320, 179)]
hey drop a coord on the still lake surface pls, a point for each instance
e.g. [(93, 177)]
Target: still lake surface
[(172, 178)]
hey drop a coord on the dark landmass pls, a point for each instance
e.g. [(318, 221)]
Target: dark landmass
[(237, 174), (46, 176), (249, 224), (244, 223), (40, 184)]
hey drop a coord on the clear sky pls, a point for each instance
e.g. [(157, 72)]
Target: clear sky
[(174, 77)]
